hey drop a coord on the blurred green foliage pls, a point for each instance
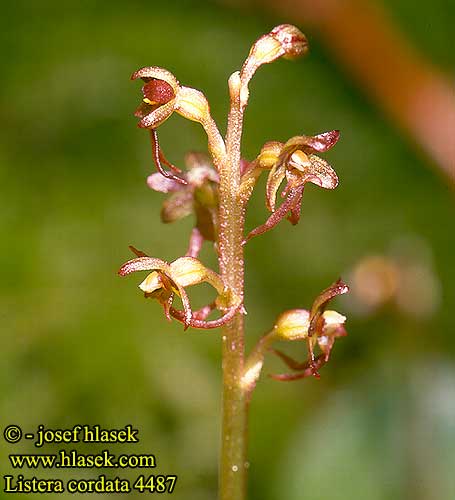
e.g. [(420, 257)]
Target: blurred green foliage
[(80, 345)]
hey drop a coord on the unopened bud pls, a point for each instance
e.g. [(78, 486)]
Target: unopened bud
[(292, 40), (283, 41)]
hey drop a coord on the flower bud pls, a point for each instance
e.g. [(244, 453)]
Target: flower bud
[(292, 40)]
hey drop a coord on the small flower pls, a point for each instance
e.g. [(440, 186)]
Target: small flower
[(159, 96), (165, 280), (169, 279), (316, 326), (163, 94), (199, 195), (296, 162)]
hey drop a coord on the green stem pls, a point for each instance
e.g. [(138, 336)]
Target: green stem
[(233, 463)]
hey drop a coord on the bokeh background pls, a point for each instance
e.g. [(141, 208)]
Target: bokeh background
[(81, 345)]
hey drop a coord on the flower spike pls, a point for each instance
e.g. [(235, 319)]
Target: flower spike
[(216, 190)]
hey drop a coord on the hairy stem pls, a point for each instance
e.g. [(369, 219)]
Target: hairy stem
[(233, 462)]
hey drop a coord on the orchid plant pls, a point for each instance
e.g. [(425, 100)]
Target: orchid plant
[(216, 188)]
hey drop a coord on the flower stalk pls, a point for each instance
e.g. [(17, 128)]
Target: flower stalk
[(233, 463)]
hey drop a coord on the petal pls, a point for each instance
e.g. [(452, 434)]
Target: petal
[(195, 243), (144, 109), (177, 206), (157, 73), (195, 159), (249, 179), (197, 176), (313, 144), (151, 283), (274, 180), (325, 141), (321, 173), (293, 197), (168, 282), (143, 264), (188, 313), (310, 369), (158, 92), (158, 116), (333, 319), (158, 182), (321, 301), (299, 160), (294, 216), (290, 362), (138, 253), (333, 327)]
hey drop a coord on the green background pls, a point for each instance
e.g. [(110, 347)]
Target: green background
[(81, 345)]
